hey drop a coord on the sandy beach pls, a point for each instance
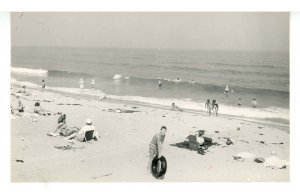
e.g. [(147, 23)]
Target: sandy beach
[(121, 155)]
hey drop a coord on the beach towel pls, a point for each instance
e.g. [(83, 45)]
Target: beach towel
[(275, 162)]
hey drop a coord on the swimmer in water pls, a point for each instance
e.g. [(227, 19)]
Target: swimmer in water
[(240, 102), (226, 89), (193, 82), (159, 82), (254, 103)]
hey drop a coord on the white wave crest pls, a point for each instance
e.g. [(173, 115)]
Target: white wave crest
[(31, 72)]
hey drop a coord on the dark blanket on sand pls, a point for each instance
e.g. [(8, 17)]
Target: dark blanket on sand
[(201, 149)]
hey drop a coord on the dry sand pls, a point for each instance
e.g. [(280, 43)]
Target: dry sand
[(121, 155)]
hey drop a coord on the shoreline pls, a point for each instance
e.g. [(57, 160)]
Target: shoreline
[(267, 121)]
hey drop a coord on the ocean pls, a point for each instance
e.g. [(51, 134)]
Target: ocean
[(132, 74)]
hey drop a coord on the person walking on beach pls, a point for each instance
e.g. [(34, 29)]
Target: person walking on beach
[(81, 85), (43, 86), (208, 106), (254, 103), (156, 145), (215, 107)]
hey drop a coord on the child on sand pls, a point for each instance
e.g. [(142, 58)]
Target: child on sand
[(156, 145), (175, 108), (226, 89)]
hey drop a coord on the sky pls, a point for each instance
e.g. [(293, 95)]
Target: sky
[(185, 30)]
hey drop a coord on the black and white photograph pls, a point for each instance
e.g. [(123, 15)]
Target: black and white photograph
[(150, 97)]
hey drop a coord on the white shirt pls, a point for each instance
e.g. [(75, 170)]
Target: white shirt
[(86, 128)]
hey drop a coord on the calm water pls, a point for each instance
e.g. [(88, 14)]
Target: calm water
[(263, 75)]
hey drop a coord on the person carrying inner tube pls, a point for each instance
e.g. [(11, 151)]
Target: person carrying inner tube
[(156, 145)]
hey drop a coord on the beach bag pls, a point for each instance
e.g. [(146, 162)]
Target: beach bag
[(159, 167)]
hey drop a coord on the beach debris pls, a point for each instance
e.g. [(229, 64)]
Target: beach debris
[(275, 163), (216, 131), (68, 147), (259, 160), (243, 156), (262, 142), (122, 111), (52, 134), (280, 143), (260, 127), (244, 141), (163, 116), (261, 134), (69, 104), (19, 161), (22, 139), (229, 142), (238, 128)]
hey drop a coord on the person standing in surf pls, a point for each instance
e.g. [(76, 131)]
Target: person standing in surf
[(156, 145), (240, 102), (215, 107), (159, 83), (43, 85), (93, 83), (81, 85), (254, 103), (226, 89), (208, 107)]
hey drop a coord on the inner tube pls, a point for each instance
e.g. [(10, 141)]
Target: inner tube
[(159, 166)]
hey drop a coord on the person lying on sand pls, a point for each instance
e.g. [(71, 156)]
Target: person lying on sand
[(39, 110), (62, 128), (156, 145), (80, 135), (175, 108), (203, 140)]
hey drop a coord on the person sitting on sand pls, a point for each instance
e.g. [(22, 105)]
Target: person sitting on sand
[(80, 135), (175, 108), (254, 103), (156, 145), (215, 107), (62, 127), (20, 107), (208, 106)]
